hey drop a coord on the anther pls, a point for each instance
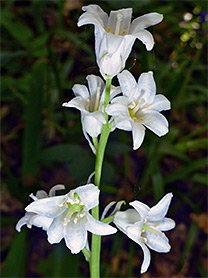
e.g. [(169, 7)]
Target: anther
[(148, 106)]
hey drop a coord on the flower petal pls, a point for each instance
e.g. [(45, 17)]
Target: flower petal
[(145, 21), (123, 122), (81, 91), (146, 38), (93, 15), (89, 195), (24, 220), (93, 123), (156, 122), (160, 103), (166, 224), (75, 235), (77, 102), (48, 207), (123, 219), (157, 243), (141, 208), (99, 228), (138, 133), (147, 88), (118, 106), (56, 230), (93, 83), (147, 258), (159, 211), (128, 84), (40, 221), (125, 19), (52, 191)]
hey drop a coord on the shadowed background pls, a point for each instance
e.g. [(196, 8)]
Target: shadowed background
[(43, 55)]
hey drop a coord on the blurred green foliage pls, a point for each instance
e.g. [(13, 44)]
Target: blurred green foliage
[(43, 54)]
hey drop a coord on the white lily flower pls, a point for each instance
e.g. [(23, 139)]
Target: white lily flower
[(139, 107), (71, 218), (90, 103), (33, 219), (115, 35), (145, 226)]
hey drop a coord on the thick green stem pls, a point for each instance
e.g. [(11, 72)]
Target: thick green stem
[(96, 240)]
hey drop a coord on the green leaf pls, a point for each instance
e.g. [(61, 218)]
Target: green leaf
[(33, 120), (14, 265)]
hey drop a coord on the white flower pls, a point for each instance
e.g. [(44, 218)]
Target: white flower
[(71, 218), (34, 219), (90, 103), (115, 35), (145, 226), (139, 107)]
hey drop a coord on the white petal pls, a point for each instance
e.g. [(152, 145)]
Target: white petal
[(93, 83), (24, 220), (123, 219), (40, 221), (41, 194), (114, 92), (77, 102), (141, 208), (99, 228), (86, 135), (118, 106), (93, 15), (145, 21), (147, 87), (53, 190), (166, 224), (147, 258), (146, 38), (81, 91), (48, 207), (156, 122), (123, 122), (128, 84), (93, 123), (138, 133), (125, 15), (159, 211), (160, 103), (157, 243), (56, 230), (75, 235), (134, 231), (89, 195)]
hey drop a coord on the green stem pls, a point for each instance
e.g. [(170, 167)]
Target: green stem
[(96, 240)]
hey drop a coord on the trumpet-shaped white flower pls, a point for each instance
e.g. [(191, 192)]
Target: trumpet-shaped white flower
[(34, 219), (145, 226), (71, 218), (139, 107), (90, 103), (115, 35)]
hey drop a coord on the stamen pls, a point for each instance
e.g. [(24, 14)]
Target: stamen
[(132, 105), (88, 103), (62, 204), (123, 33), (148, 106), (118, 24), (97, 99), (108, 30), (136, 108), (143, 238), (76, 218)]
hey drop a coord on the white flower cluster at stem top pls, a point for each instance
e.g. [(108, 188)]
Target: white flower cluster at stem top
[(131, 106)]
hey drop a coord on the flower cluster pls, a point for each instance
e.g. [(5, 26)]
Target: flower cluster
[(131, 106), (66, 216)]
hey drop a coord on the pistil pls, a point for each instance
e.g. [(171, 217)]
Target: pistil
[(118, 24)]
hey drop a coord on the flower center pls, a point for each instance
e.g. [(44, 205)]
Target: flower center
[(133, 110), (150, 229), (75, 209), (118, 26)]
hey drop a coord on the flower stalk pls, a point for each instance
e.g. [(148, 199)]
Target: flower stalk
[(96, 240)]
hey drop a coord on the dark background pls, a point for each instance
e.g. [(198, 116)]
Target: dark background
[(43, 54)]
